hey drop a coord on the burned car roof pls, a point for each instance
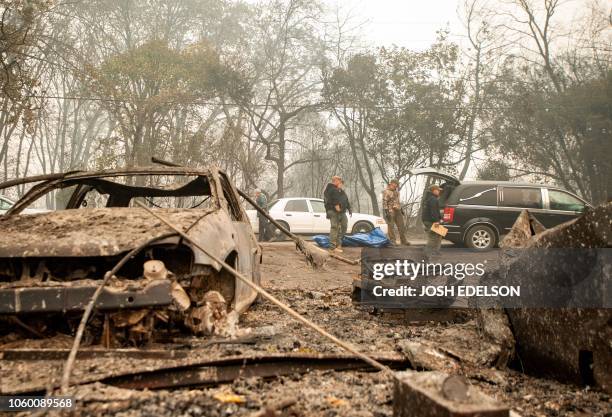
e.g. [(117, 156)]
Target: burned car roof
[(144, 170), (100, 179)]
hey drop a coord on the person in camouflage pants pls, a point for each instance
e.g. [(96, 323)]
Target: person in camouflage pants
[(336, 205), (393, 212)]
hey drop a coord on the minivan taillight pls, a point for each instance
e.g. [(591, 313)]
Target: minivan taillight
[(449, 214)]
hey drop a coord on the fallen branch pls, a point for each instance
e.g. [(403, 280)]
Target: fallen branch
[(35, 178), (343, 259), (344, 345)]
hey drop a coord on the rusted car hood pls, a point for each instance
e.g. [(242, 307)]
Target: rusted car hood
[(86, 232)]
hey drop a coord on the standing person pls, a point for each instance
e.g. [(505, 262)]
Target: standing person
[(430, 216), (262, 202), (393, 212), (344, 202), (336, 206)]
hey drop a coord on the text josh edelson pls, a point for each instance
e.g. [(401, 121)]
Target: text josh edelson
[(412, 270)]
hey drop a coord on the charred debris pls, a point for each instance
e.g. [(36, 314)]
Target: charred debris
[(52, 263)]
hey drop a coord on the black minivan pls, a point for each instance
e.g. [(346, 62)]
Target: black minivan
[(479, 213)]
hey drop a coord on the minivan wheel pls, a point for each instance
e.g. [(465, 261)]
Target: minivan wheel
[(480, 237)]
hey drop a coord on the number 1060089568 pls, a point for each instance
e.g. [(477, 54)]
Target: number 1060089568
[(25, 403)]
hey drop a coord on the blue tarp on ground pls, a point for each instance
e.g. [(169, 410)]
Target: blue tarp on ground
[(375, 239)]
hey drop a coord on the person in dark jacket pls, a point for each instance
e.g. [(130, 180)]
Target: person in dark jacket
[(336, 206), (430, 216), (262, 202)]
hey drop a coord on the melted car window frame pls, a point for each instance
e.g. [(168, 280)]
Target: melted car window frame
[(42, 189)]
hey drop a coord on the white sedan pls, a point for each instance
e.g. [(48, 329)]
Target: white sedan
[(6, 204), (307, 216)]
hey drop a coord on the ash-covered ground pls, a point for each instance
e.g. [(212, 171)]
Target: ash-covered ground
[(324, 296)]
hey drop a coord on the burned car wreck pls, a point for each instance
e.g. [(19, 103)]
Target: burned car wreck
[(51, 263)]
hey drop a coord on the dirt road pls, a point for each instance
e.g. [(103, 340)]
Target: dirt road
[(284, 269)]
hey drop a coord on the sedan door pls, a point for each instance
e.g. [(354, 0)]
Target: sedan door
[(321, 223), (298, 216)]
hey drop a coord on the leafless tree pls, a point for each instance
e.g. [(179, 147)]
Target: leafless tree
[(284, 79)]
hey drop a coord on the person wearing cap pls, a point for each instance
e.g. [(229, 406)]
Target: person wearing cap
[(262, 202), (392, 210), (336, 206), (430, 216)]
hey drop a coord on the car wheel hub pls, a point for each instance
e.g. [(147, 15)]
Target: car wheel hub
[(481, 239)]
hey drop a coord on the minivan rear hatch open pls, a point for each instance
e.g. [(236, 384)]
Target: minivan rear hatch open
[(435, 173), (450, 180)]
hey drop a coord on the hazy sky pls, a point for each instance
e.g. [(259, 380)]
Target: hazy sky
[(413, 23), (409, 23)]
